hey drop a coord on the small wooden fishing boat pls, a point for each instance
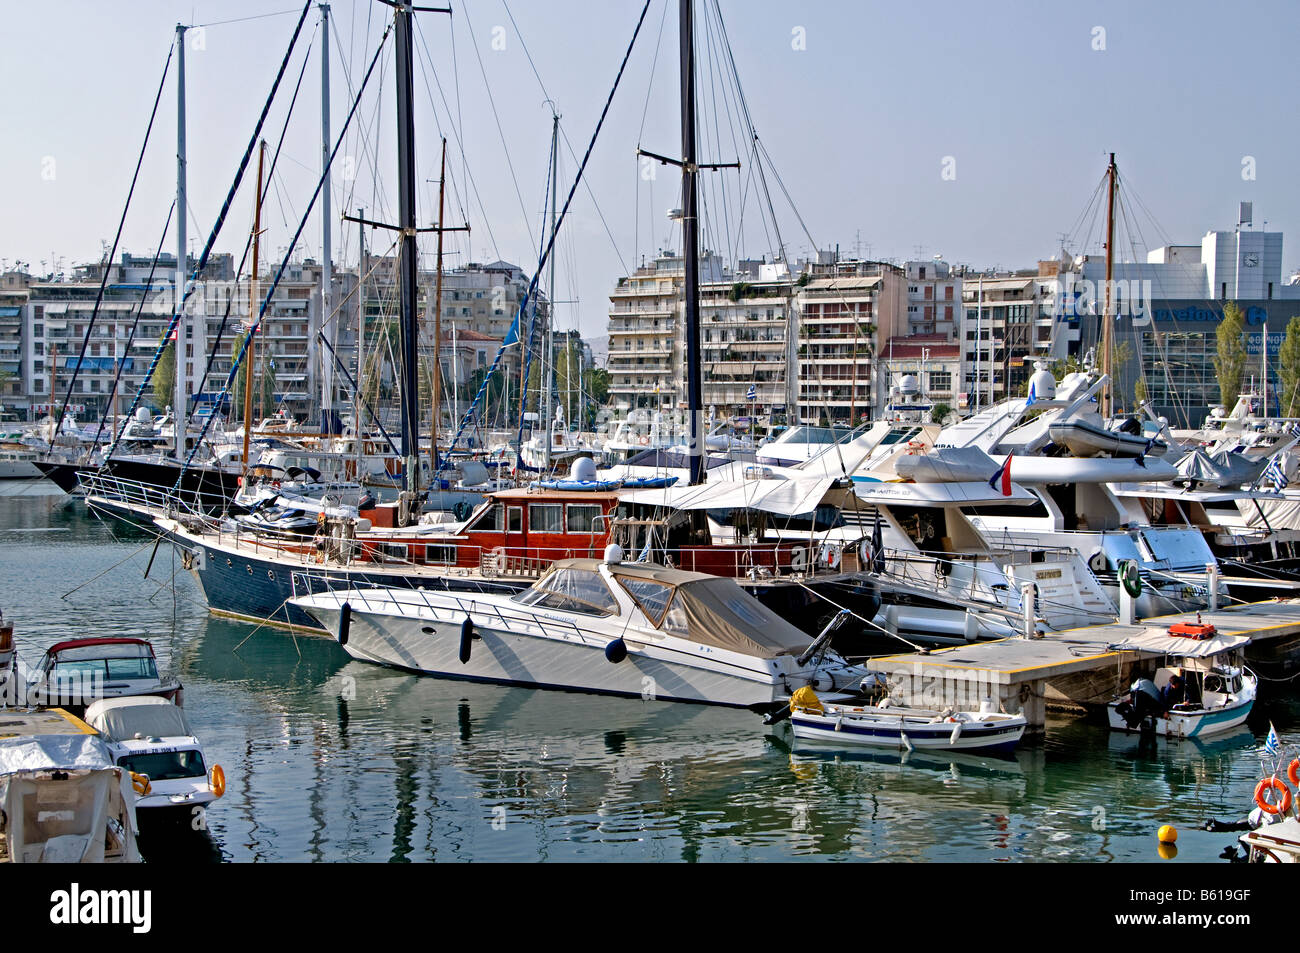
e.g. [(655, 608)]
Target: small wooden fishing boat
[(889, 725)]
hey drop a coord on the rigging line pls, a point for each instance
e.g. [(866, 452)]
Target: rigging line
[(717, 141), (463, 201), (532, 285), (749, 125), (259, 16), (654, 64), (599, 213), (523, 208), (108, 263), (191, 283), (248, 243), (266, 302), (130, 338)]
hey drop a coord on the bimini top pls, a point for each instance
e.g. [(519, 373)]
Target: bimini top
[(143, 647), (705, 609)]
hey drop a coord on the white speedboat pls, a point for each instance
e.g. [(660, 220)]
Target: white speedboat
[(62, 799), (633, 629), (887, 725), (1217, 690), (75, 673), (152, 738)]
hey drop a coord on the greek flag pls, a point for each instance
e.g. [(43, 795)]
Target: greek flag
[(1033, 392), (752, 393), (1273, 473), (1271, 744)]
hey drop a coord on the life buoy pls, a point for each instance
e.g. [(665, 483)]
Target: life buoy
[(1293, 772), (140, 783), (645, 441), (1283, 803), (1130, 577), (829, 556), (864, 555), (217, 780)]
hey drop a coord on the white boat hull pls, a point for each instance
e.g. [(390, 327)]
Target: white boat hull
[(1193, 723), (906, 729), (563, 657)]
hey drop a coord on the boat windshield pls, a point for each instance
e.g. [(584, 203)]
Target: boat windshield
[(166, 765), (139, 667), (572, 590), (815, 435), (650, 597)]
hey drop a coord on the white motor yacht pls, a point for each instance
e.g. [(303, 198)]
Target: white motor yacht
[(633, 629)]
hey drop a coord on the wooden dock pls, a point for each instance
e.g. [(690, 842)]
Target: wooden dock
[(1078, 665)]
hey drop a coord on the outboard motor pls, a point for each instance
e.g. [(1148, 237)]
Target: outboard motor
[(1143, 703)]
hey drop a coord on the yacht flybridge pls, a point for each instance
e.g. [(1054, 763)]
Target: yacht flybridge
[(604, 626)]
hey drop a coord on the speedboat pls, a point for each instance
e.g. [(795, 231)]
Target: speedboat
[(75, 673), (1218, 691), (606, 626), (888, 725), (152, 738), (62, 797)]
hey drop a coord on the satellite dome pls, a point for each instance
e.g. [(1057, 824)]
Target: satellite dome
[(909, 385), (1042, 384), (583, 470)]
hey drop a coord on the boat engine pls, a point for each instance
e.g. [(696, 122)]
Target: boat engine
[(1142, 703)]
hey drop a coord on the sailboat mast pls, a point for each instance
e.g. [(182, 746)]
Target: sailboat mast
[(408, 255), (1106, 397), (327, 265), (358, 394), (437, 325), (254, 323), (690, 243), (182, 210), (548, 351)]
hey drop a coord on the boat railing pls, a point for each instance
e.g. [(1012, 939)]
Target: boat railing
[(141, 498), (986, 582)]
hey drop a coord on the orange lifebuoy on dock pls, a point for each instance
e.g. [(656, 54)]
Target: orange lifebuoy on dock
[(1283, 803), (1293, 772)]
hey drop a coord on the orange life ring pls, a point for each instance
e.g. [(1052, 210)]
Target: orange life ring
[(1284, 798), (217, 780), (645, 441), (1293, 772)]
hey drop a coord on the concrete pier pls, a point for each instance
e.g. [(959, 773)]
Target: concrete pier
[(1077, 664)]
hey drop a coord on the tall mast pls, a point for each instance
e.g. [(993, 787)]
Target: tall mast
[(690, 243), (182, 210), (358, 394), (408, 255), (254, 323), (437, 326), (1106, 397), (548, 350), (327, 265)]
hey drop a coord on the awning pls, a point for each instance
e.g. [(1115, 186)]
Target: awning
[(782, 497)]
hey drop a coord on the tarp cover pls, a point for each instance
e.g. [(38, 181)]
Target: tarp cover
[(121, 719), (718, 612), (1160, 642), (782, 497), (1224, 469), (948, 465), (53, 752)]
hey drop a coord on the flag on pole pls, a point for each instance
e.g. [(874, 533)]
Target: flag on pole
[(1033, 391), (1273, 473), (1002, 477), (1272, 746), (752, 393)]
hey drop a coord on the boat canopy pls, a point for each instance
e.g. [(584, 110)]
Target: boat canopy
[(1224, 469), (1160, 642), (121, 719), (781, 497), (947, 465), (81, 649), (706, 609)]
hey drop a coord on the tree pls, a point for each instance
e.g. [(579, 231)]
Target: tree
[(939, 413), (164, 379), (1140, 390), (1120, 361), (1288, 370), (1231, 357)]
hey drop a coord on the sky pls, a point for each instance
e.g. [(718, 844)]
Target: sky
[(974, 131)]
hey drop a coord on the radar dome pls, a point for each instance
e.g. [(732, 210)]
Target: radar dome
[(584, 470), (1042, 385), (909, 385)]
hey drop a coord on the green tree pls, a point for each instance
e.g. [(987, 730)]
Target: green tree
[(1288, 370), (940, 413), (164, 378), (1231, 357), (1140, 390)]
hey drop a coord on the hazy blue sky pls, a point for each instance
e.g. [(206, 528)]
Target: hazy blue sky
[(858, 123)]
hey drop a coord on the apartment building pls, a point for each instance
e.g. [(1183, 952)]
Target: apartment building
[(14, 399)]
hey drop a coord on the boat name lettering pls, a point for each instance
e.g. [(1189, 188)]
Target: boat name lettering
[(1048, 574)]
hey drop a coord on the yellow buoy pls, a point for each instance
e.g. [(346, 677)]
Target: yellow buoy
[(1167, 834), (1166, 850)]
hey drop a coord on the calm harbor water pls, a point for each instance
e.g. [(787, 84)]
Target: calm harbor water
[(328, 759)]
